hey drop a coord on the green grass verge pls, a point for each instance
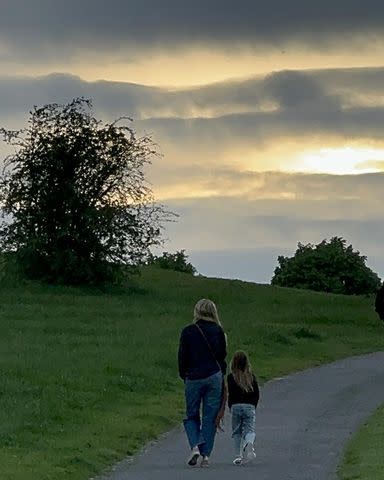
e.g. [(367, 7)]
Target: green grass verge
[(88, 377), (364, 456)]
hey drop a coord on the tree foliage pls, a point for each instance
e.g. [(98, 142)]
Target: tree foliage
[(74, 198), (173, 261), (331, 266)]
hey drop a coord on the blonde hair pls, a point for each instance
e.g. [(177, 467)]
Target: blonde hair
[(242, 371), (206, 310)]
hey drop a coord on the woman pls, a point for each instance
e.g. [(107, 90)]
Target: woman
[(202, 366)]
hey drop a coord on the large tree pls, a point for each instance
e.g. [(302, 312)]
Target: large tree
[(74, 197), (331, 266)]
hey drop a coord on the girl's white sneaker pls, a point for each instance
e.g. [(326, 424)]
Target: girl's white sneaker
[(238, 461), (249, 452)]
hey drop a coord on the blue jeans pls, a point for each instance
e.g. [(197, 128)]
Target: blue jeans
[(243, 425), (207, 391)]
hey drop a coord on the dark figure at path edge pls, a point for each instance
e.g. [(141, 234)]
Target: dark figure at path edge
[(379, 302)]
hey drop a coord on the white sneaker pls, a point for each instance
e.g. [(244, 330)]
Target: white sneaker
[(194, 457), (249, 452), (238, 461), (204, 462)]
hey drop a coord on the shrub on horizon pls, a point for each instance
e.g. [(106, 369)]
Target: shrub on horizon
[(173, 261), (330, 266)]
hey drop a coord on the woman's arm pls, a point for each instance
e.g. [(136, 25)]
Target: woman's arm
[(182, 356), (230, 391), (222, 352), (221, 413)]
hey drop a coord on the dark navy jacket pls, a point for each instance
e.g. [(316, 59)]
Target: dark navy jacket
[(196, 360)]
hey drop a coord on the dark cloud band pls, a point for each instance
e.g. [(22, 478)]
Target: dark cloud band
[(299, 103), (44, 26)]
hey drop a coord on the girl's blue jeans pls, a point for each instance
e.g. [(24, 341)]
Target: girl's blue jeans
[(243, 425), (207, 393)]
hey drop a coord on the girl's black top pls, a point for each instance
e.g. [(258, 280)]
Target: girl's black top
[(237, 395)]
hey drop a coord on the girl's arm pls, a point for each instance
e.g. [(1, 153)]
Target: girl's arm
[(221, 353), (256, 392)]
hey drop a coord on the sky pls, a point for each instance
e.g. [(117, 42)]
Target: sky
[(269, 115)]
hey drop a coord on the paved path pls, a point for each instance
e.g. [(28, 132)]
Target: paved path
[(303, 423)]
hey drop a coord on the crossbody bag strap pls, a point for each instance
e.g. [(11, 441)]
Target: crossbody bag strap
[(208, 344)]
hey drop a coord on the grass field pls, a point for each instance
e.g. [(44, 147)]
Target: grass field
[(364, 456), (87, 377)]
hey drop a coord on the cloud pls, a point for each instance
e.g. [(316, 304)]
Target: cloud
[(292, 89), (284, 89), (217, 231), (44, 27), (21, 93), (376, 164), (257, 124), (317, 90), (320, 196)]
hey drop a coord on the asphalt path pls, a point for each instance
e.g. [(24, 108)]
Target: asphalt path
[(304, 422)]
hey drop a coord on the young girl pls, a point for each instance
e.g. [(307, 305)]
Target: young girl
[(243, 397)]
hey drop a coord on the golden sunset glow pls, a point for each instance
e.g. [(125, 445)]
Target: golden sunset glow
[(310, 156), (204, 65), (209, 66), (340, 161)]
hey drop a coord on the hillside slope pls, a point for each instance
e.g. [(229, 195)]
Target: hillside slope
[(88, 377)]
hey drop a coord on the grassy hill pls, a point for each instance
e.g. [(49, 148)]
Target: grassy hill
[(87, 377), (364, 455)]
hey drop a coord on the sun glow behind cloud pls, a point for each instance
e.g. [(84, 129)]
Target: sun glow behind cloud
[(340, 161)]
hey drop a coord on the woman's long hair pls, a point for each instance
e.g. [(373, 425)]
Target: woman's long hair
[(242, 371), (206, 310)]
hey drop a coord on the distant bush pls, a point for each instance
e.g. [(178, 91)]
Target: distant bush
[(331, 266), (173, 261)]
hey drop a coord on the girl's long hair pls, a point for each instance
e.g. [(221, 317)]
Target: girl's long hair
[(242, 371)]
